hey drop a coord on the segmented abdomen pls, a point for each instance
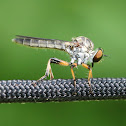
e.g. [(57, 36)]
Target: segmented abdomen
[(40, 42)]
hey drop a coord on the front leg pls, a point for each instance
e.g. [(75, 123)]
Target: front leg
[(89, 75)]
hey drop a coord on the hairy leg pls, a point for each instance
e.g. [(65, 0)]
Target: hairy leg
[(72, 66), (89, 75), (49, 70), (60, 62)]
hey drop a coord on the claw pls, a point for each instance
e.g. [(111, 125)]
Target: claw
[(34, 84), (43, 77)]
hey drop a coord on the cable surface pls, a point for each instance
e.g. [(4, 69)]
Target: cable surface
[(62, 90)]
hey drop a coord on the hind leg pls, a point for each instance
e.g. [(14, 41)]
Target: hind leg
[(60, 62), (49, 70)]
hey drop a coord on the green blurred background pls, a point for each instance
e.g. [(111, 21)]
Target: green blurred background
[(104, 22)]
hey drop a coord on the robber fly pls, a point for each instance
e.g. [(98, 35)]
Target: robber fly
[(80, 50)]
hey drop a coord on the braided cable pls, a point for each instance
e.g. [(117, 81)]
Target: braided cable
[(62, 90)]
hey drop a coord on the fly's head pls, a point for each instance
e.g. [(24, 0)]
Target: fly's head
[(98, 56)]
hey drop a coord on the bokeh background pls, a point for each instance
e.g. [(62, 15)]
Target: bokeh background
[(104, 22)]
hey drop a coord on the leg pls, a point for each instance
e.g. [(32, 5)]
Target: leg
[(49, 70), (89, 75), (60, 62), (72, 66)]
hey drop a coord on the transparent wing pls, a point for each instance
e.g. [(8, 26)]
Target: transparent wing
[(27, 37), (42, 42)]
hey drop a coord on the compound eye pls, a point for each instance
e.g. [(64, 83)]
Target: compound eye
[(98, 56)]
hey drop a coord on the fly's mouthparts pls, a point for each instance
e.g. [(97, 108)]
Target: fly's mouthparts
[(105, 55)]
